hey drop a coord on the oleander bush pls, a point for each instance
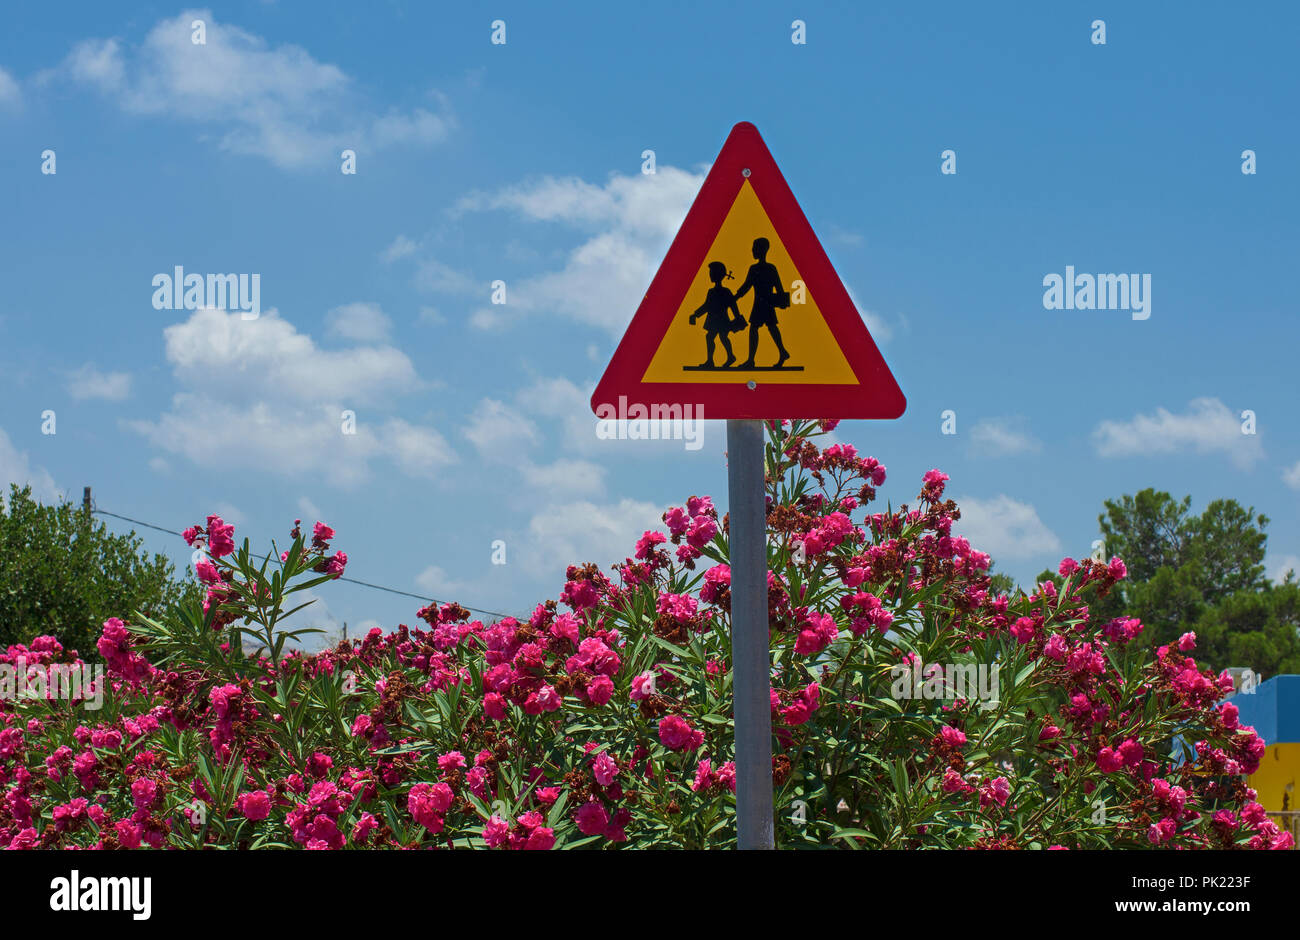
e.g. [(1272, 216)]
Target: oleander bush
[(604, 720)]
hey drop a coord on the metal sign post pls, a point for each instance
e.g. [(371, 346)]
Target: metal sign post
[(751, 658)]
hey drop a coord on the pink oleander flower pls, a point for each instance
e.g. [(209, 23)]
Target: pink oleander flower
[(642, 686), (452, 760), (727, 775), (428, 803), (541, 839), (254, 806), (207, 572), (1023, 629), (677, 735), (819, 631), (802, 708), (954, 782), (680, 607), (646, 543), (600, 690), (701, 532), (1228, 712), (496, 833), (952, 737), (1109, 761), (220, 537), (592, 819), (605, 769), (565, 626), (677, 520), (1131, 752), (716, 580), (995, 791), (335, 565), (1055, 649), (143, 793), (366, 824), (1162, 831)]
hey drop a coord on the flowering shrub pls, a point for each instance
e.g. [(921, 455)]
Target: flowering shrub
[(604, 719)]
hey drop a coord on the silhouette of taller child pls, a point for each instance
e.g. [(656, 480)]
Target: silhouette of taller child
[(768, 293)]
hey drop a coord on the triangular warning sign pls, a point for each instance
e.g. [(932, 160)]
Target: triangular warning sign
[(746, 318)]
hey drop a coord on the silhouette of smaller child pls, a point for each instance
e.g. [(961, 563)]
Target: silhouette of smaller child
[(715, 309)]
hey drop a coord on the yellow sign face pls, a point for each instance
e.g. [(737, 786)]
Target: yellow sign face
[(748, 315)]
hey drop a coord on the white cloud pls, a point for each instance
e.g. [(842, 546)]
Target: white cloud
[(561, 399), (1003, 437), (1277, 571), (434, 276), (16, 467), (498, 431), (417, 451), (558, 535), (562, 534), (555, 397), (439, 584), (98, 62), (310, 511), (259, 394), (845, 236), (630, 221), (229, 513), (89, 382), (292, 440), (1209, 426), (486, 318), (1004, 528), (1291, 476), (879, 329), (401, 247), (269, 357), (565, 477), (10, 96), (277, 102), (362, 322), (877, 326)]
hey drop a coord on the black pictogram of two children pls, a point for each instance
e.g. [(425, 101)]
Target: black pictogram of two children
[(722, 316)]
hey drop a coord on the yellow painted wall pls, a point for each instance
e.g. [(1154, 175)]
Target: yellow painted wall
[(1279, 768)]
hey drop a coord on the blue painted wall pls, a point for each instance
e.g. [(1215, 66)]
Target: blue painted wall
[(1273, 709)]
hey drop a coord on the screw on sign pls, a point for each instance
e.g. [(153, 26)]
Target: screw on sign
[(786, 343)]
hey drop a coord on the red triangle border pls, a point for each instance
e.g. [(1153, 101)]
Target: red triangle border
[(878, 395)]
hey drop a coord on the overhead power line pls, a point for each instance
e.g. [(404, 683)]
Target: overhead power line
[(377, 587)]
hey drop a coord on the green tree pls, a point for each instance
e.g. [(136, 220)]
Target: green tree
[(63, 574), (1260, 629), (1201, 573)]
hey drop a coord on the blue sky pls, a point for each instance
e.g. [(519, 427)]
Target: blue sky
[(522, 162)]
